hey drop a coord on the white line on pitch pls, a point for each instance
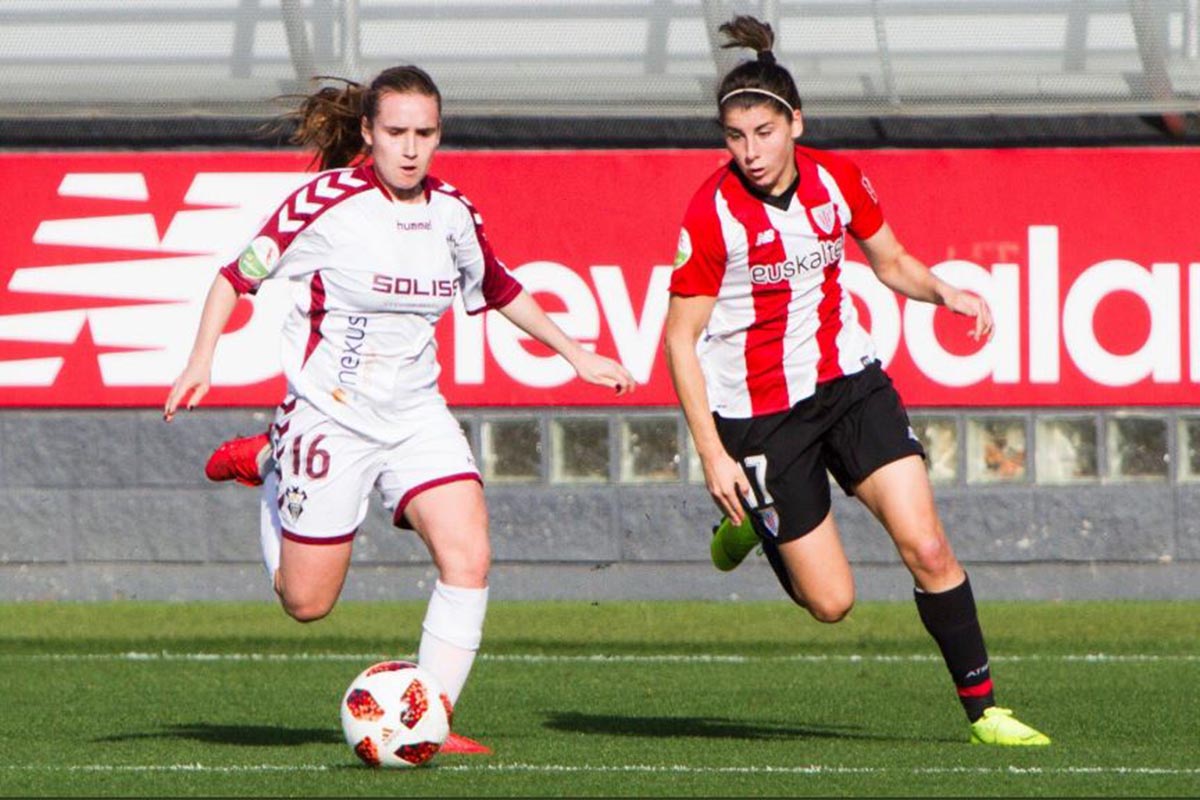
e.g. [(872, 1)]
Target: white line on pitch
[(675, 769), (603, 658)]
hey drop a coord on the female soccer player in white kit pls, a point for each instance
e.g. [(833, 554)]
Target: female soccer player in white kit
[(376, 252), (784, 386)]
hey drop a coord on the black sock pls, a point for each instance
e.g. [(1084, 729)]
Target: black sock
[(951, 620)]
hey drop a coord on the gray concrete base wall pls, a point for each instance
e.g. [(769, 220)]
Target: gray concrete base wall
[(109, 504)]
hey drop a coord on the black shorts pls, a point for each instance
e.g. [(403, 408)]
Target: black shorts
[(851, 427)]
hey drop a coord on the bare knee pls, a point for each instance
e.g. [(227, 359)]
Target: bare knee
[(830, 611), (932, 557), (306, 610), (467, 569)]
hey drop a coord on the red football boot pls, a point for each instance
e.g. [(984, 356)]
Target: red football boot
[(240, 460), (456, 745)]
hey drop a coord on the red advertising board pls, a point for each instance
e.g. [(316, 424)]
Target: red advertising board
[(1089, 258)]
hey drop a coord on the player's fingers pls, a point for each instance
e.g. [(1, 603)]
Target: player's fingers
[(728, 504), (733, 510), (197, 395), (983, 323), (172, 401)]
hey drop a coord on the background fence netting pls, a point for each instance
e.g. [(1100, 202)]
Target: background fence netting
[(602, 58)]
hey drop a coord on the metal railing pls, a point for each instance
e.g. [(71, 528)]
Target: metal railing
[(653, 57)]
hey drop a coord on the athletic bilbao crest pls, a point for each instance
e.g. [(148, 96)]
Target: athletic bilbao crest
[(770, 520), (825, 216)]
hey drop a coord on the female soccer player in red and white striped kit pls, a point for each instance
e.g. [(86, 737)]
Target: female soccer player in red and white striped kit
[(784, 384), (376, 250)]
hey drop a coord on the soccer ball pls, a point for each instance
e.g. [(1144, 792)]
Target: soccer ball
[(395, 714)]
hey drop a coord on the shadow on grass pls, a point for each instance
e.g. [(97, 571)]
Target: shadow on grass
[(707, 728), (241, 735)]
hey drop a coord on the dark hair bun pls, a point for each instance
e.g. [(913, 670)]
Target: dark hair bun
[(766, 57)]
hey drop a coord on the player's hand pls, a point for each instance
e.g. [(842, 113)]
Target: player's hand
[(190, 388), (972, 305), (603, 372), (727, 483)]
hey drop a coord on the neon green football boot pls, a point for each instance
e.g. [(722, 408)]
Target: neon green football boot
[(732, 543), (999, 726)]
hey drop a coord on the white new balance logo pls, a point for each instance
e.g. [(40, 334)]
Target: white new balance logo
[(765, 237)]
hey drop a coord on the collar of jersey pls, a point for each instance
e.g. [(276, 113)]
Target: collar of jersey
[(780, 201), (368, 168)]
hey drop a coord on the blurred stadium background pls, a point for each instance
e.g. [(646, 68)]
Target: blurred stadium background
[(1042, 151)]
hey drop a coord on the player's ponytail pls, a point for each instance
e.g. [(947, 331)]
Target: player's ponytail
[(329, 120), (758, 82)]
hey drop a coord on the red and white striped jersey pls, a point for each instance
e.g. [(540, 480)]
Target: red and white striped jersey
[(371, 278), (783, 321)]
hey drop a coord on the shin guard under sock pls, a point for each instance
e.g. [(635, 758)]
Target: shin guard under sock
[(451, 634)]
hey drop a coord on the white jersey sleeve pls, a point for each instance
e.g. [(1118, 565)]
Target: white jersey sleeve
[(288, 245)]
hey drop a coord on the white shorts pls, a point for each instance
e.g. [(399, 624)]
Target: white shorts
[(326, 471)]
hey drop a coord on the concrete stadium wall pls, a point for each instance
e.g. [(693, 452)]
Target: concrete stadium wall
[(113, 504)]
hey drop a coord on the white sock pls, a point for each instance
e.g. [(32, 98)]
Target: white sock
[(451, 634), (270, 528)]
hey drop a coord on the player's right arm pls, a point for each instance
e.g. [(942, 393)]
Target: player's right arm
[(695, 284), (724, 477), (192, 384), (282, 248)]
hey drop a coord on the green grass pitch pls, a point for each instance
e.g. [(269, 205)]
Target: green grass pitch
[(641, 699)]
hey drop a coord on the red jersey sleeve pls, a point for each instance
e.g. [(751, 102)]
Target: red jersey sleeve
[(701, 258), (866, 217)]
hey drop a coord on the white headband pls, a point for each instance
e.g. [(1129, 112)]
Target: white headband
[(753, 90)]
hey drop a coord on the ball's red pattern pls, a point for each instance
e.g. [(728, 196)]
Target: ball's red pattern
[(416, 703), (368, 752), (388, 666), (418, 753), (446, 704), (363, 706)]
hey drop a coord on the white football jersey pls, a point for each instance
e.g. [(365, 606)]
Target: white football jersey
[(371, 278)]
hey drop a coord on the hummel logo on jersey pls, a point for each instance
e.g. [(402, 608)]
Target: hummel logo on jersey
[(423, 225), (765, 237)]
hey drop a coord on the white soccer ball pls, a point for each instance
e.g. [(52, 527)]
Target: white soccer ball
[(395, 714)]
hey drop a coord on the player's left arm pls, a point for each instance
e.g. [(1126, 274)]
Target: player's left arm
[(524, 312), (903, 272)]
